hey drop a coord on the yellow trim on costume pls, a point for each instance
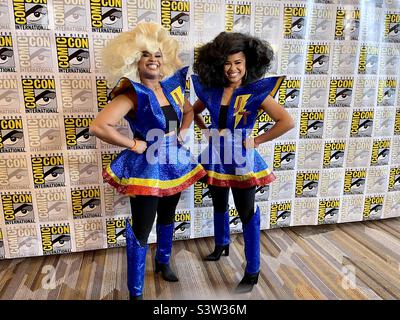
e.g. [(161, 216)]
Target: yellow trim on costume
[(223, 176), (155, 183), (277, 85)]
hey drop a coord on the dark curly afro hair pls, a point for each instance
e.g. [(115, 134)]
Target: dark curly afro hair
[(209, 64)]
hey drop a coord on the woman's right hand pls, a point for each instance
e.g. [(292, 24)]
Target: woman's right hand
[(139, 147)]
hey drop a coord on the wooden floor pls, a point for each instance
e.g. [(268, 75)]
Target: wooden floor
[(342, 261)]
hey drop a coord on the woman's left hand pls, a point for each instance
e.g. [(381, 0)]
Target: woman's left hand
[(250, 143)]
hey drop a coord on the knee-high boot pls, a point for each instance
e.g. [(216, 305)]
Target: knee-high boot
[(221, 236), (136, 260), (251, 235), (164, 248)]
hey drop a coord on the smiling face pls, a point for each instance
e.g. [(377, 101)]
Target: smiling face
[(150, 64), (235, 68)]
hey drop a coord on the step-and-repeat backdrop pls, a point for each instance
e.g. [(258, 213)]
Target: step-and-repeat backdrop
[(341, 163)]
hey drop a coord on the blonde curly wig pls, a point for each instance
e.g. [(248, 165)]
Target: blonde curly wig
[(121, 55)]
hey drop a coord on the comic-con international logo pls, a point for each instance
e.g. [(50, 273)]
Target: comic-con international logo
[(52, 205), (386, 92), (115, 229), (14, 172), (394, 179), (354, 181), (34, 52), (76, 94), (11, 135), (347, 26), (328, 211), (380, 152), (39, 95), (102, 93), (86, 202), (263, 124), (9, 93), (77, 132), (182, 225), (373, 207), (237, 17), (56, 238), (340, 92), (280, 214), (289, 93), (32, 15), (7, 60), (284, 156), (392, 28), (202, 195), (266, 20), (73, 54), (175, 17), (294, 22), (69, 15), (362, 123), (307, 184), (311, 124), (368, 60), (317, 59), (334, 154), (17, 208), (106, 15), (141, 11), (397, 123), (48, 171)]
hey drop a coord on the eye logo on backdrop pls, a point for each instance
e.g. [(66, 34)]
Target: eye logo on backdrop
[(7, 60), (237, 17), (317, 60), (175, 17), (354, 181), (17, 207), (386, 92), (362, 123), (48, 171), (347, 25), (334, 154), (394, 179), (294, 22), (86, 202), (14, 173), (106, 15), (380, 152), (83, 168), (44, 132), (392, 28), (77, 132), (307, 184), (76, 94), (39, 95), (202, 195), (31, 15), (373, 207), (284, 156), (73, 54), (69, 15), (280, 214), (34, 52), (9, 97), (368, 60), (311, 124), (141, 11), (56, 238), (289, 93), (340, 92), (52, 204), (328, 211), (115, 229), (182, 225), (11, 135)]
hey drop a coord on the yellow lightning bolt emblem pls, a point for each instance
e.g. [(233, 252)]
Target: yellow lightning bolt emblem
[(178, 97), (239, 109)]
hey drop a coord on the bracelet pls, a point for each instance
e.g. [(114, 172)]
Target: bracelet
[(133, 147)]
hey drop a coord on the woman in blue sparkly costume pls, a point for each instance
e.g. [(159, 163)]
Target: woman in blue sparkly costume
[(155, 167), (230, 86)]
